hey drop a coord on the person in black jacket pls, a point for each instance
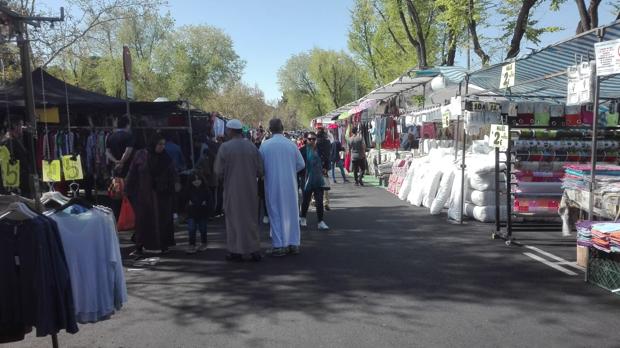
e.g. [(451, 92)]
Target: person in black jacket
[(198, 198), (324, 147)]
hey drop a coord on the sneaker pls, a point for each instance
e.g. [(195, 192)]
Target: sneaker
[(361, 183), (137, 253), (327, 207), (293, 249), (335, 182), (347, 181), (164, 251), (357, 183), (323, 226), (191, 250), (278, 252), (303, 222), (265, 220), (202, 247)]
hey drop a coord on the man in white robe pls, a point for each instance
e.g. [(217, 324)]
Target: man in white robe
[(282, 160)]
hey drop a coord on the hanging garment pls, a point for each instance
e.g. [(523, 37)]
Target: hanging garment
[(35, 290), (92, 252)]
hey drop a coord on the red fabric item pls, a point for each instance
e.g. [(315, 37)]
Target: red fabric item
[(347, 162), (127, 218), (573, 120)]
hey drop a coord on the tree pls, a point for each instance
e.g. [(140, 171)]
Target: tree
[(196, 61), (299, 88), (363, 29), (240, 101), (334, 72)]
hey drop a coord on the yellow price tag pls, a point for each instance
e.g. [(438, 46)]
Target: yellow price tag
[(5, 155), (10, 174), (51, 171), (72, 167)]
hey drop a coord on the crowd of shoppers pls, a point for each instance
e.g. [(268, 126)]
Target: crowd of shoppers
[(265, 173)]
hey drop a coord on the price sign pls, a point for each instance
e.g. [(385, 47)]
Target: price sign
[(494, 107), (499, 136), (51, 170), (5, 155), (72, 167), (477, 106), (445, 119), (509, 72), (10, 174)]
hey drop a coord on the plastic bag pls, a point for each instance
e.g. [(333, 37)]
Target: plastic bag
[(347, 162), (127, 218)]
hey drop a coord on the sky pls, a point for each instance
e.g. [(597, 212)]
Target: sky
[(267, 32)]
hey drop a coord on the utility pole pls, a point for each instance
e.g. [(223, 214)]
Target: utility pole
[(18, 24)]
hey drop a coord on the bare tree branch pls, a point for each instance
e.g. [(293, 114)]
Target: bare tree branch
[(413, 13), (474, 36)]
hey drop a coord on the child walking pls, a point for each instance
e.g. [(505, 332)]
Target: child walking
[(198, 197)]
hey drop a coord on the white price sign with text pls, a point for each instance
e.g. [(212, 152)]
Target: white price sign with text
[(499, 136), (580, 82), (607, 57), (509, 73)]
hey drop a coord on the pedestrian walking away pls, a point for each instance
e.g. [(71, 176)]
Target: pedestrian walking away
[(151, 184), (282, 161), (357, 148), (314, 182), (336, 160), (239, 165)]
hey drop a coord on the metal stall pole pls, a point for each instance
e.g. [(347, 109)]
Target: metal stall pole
[(508, 189), (456, 128), (191, 134), (498, 225), (600, 33), (463, 166)]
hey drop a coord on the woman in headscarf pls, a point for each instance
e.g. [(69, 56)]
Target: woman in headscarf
[(150, 185)]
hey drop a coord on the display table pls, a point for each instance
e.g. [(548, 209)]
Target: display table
[(606, 205)]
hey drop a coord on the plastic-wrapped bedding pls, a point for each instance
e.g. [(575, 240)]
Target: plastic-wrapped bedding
[(407, 183), (484, 182), (547, 187), (431, 186), (485, 213), (484, 198), (415, 196), (443, 195), (454, 208)]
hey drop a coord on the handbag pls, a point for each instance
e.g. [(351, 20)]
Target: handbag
[(326, 186)]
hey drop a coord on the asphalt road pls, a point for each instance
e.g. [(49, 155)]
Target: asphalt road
[(386, 275)]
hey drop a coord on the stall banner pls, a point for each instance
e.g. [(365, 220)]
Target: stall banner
[(51, 170), (72, 167), (10, 174), (499, 136), (607, 57)]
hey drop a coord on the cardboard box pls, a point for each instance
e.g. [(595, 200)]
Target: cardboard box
[(582, 256)]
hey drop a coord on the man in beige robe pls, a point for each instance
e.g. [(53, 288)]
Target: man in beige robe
[(239, 164)]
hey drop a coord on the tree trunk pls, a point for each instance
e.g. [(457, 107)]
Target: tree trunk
[(593, 13), (474, 36), (584, 22), (373, 66), (452, 40), (403, 20), (520, 27), (413, 13)]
